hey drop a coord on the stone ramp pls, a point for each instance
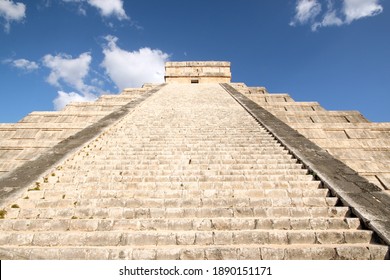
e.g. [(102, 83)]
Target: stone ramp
[(188, 174)]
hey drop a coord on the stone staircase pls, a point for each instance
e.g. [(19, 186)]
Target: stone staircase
[(189, 174)]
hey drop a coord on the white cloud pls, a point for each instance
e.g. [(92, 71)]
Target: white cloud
[(311, 12), (356, 9), (133, 68), (107, 8), (64, 99), (25, 64), (306, 10), (11, 11), (70, 70), (329, 18)]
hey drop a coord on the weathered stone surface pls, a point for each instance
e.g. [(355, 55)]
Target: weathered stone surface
[(185, 174), (197, 72)]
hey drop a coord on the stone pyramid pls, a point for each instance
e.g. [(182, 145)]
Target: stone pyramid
[(196, 168)]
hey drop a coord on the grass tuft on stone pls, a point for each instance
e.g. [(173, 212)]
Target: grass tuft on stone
[(3, 213)]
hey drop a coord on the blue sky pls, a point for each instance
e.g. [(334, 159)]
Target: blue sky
[(336, 52)]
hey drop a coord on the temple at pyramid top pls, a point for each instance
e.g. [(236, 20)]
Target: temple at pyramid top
[(198, 72)]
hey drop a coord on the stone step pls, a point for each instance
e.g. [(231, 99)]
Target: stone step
[(112, 161), (196, 196), (169, 238), (213, 141), (211, 149), (184, 176), (125, 175), (183, 162), (200, 146), (195, 224), (184, 137), (126, 165), (184, 144), (169, 200), (101, 193), (116, 165), (209, 252), (251, 157), (175, 213), (217, 178), (63, 186)]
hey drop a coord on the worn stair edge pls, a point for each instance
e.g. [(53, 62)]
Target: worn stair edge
[(219, 252), (366, 200), (17, 180)]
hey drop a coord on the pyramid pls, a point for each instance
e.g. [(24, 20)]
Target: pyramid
[(195, 168)]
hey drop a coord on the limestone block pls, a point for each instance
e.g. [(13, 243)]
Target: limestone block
[(278, 237), (223, 238), (353, 253), (221, 224), (359, 134), (329, 237), (378, 252), (298, 253), (251, 237), (168, 254), (313, 133), (281, 224), (6, 225), (180, 225), (272, 253), (243, 224), (319, 224), (300, 224), (45, 254), (102, 239), (336, 134), (166, 239), (73, 254), (144, 254), (22, 225), (99, 254), (360, 236), (322, 253), (243, 212), (185, 238), (105, 225), (45, 239), (220, 254), (84, 225), (204, 238), (192, 254), (203, 224), (301, 237), (247, 253)]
